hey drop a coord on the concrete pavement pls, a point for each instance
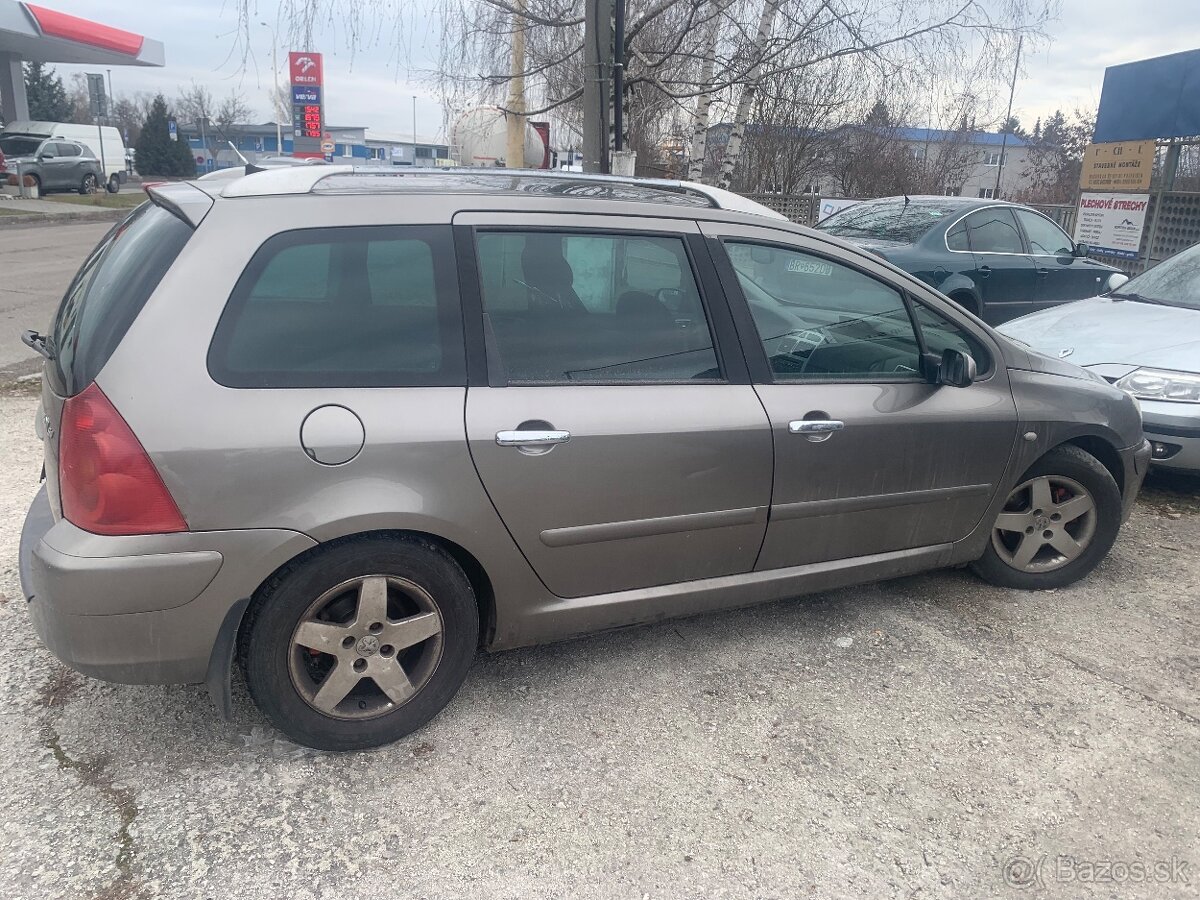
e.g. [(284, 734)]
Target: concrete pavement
[(36, 265)]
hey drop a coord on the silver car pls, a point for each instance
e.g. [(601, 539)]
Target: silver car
[(347, 428), (1145, 338)]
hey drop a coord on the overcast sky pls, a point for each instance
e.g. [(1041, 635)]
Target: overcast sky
[(372, 88)]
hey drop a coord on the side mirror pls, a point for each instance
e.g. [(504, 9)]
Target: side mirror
[(45, 155), (1082, 250), (1114, 281), (957, 369)]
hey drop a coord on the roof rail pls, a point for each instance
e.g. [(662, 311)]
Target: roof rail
[(305, 179)]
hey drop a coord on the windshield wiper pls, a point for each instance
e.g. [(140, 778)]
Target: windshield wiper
[(39, 343), (1136, 298)]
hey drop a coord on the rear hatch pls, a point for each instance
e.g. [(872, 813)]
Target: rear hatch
[(106, 295)]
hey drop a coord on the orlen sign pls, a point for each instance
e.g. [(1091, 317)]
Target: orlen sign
[(308, 107)]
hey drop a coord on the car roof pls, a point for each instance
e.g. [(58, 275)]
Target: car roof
[(963, 203), (526, 183)]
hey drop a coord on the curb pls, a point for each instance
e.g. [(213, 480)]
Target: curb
[(35, 219)]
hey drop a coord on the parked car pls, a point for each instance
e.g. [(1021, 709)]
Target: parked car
[(348, 426), (53, 165), (1145, 338), (105, 144), (998, 260)]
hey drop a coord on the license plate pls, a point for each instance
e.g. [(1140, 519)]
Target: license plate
[(809, 267)]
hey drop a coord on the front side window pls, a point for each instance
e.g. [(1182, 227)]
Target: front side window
[(994, 231), (576, 307), (1045, 238), (940, 334), (821, 320), (344, 307)]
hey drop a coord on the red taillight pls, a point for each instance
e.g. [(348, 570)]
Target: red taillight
[(107, 481)]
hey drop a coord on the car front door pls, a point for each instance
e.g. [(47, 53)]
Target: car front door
[(1061, 275), (51, 163), (1005, 274), (870, 457), (618, 434)]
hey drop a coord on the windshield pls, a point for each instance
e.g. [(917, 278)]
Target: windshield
[(1175, 282), (19, 145), (892, 219)]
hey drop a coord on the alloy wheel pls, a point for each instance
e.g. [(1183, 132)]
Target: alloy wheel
[(1047, 523), (366, 647)]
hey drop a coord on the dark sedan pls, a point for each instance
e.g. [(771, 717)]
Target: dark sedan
[(999, 260)]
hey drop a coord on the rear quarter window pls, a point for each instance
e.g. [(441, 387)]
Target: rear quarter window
[(372, 306), (109, 291)]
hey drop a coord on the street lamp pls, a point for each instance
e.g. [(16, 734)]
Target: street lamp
[(276, 102)]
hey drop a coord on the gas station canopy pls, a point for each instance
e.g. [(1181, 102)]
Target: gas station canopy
[(35, 33)]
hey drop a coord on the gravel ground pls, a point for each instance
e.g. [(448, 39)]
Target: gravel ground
[(927, 737)]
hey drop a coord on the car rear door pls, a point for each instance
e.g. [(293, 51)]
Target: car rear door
[(1005, 274), (869, 456), (617, 435)]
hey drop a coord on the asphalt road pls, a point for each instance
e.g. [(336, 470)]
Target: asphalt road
[(36, 265), (930, 737)]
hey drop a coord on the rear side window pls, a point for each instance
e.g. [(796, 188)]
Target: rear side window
[(994, 230), (109, 291), (344, 307)]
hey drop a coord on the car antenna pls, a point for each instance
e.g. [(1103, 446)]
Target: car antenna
[(906, 200)]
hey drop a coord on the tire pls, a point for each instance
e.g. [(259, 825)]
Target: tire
[(967, 302), (327, 599), (88, 184), (1071, 478), (114, 183)]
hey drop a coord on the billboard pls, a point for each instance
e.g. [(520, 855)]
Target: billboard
[(307, 78), (1153, 98), (1125, 166), (1111, 224)]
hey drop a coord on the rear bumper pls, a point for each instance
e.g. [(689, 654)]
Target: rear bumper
[(145, 609)]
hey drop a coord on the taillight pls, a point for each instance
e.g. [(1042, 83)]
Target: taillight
[(107, 481)]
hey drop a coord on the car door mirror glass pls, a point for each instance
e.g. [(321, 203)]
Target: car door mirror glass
[(957, 368)]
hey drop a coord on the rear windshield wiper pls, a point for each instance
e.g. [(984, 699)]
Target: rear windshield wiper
[(39, 343), (1136, 298)]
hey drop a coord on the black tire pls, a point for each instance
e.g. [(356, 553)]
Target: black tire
[(967, 302), (267, 647), (1067, 462), (113, 184), (88, 184)]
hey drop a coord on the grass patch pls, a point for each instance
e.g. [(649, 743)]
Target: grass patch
[(6, 210), (101, 199)]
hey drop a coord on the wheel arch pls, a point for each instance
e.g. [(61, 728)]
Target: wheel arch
[(1105, 453)]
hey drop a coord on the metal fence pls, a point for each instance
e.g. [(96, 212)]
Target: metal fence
[(1165, 234)]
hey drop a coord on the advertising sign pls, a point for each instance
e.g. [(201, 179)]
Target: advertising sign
[(1112, 224), (1125, 166), (830, 206), (306, 74)]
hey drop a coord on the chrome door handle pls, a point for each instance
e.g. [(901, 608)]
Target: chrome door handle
[(815, 426), (531, 438)]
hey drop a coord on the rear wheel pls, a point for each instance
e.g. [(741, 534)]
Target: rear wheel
[(361, 644), (114, 183), (967, 302), (1057, 524), (88, 185)]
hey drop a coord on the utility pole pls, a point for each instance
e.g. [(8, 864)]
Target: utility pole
[(1012, 89), (414, 99), (597, 51), (514, 148), (278, 101)]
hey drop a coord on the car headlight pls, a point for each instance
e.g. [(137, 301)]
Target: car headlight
[(1160, 384)]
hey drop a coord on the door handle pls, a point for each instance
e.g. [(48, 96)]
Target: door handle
[(815, 426), (985, 271), (1042, 273), (531, 438)]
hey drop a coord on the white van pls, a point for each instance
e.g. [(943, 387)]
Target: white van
[(104, 141)]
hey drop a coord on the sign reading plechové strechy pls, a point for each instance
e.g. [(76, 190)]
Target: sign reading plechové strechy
[(1112, 224)]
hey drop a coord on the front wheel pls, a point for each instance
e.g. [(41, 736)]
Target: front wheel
[(88, 185), (114, 184), (1057, 524), (361, 644)]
